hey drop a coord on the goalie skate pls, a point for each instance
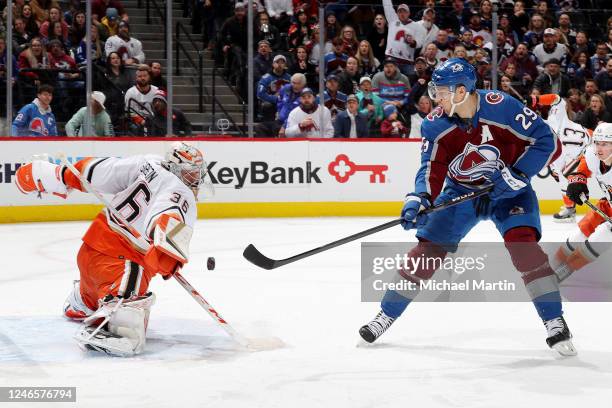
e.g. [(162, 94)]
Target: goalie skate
[(559, 336), (373, 330), (105, 342)]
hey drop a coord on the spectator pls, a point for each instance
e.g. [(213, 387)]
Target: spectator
[(262, 62), (333, 99), (335, 60), (97, 49), (305, 120), (430, 29), (58, 59), (506, 85), (300, 32), (332, 26), (234, 36), (100, 121), (543, 10), (21, 38), (129, 48), (370, 104), (552, 81), (270, 85), (99, 8), (599, 60), (349, 78), (377, 37), (55, 34), (157, 78), (351, 123), (424, 107), (595, 113), (391, 85), (404, 36), (519, 20), (288, 99), (504, 50), (579, 70), (156, 124), (33, 57), (430, 54), (391, 126), (550, 48), (566, 30), (604, 79), (535, 35), (367, 62), (4, 61), (76, 31), (302, 65), (110, 22), (40, 9), (36, 118), (575, 105), (609, 41), (31, 24), (55, 16), (118, 81), (421, 71), (526, 68), (590, 89), (268, 32), (138, 98), (349, 41), (506, 27), (315, 52), (480, 36), (486, 15), (460, 52), (456, 18), (444, 46), (583, 44), (465, 40)]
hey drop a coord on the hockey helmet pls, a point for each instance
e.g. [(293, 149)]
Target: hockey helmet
[(452, 73), (187, 163), (603, 133)]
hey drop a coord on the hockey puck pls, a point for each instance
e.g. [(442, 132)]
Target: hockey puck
[(210, 263)]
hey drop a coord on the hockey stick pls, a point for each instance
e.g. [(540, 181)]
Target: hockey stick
[(180, 279), (253, 255), (596, 209)]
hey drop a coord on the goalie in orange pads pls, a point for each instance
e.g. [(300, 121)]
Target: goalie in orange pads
[(157, 196), (594, 234)]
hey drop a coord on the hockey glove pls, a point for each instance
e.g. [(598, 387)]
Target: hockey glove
[(41, 176), (577, 187), (507, 183), (412, 211)]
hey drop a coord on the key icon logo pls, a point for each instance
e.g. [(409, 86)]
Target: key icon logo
[(342, 168)]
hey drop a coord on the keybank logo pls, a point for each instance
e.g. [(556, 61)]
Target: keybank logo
[(259, 172)]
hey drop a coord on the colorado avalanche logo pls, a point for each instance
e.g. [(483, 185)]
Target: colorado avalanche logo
[(436, 113), (494, 98), (37, 125), (475, 163), (457, 68)]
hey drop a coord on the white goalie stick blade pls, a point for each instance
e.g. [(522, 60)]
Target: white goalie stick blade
[(264, 344), (104, 341), (173, 239)]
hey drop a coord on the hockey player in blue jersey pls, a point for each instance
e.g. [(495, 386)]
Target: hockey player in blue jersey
[(476, 139), (36, 118)]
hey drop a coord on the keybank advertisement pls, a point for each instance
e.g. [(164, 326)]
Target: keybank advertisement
[(257, 171)]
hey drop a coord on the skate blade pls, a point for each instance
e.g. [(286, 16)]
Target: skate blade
[(565, 348), (570, 220)]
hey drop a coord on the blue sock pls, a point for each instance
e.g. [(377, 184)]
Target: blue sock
[(548, 305), (394, 304)]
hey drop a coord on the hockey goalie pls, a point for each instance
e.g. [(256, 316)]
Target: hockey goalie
[(157, 197)]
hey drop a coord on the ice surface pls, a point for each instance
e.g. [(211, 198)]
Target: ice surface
[(436, 355)]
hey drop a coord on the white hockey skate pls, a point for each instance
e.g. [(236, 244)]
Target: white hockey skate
[(559, 336), (565, 215), (373, 330)]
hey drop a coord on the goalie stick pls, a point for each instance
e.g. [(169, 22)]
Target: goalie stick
[(180, 279), (252, 254)]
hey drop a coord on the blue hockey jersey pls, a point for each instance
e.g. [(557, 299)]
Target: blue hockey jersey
[(33, 120)]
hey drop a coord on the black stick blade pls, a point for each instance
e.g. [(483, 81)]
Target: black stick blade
[(255, 257)]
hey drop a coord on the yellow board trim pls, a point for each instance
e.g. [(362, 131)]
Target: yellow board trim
[(84, 212)]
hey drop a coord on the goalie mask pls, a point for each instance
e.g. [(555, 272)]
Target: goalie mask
[(187, 163)]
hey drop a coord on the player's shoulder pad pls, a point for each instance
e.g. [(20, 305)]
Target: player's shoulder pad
[(497, 104), (435, 123)]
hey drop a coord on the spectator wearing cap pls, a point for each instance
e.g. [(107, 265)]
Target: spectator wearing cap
[(550, 49), (306, 120), (100, 121), (430, 29), (288, 99), (370, 104), (349, 77), (552, 81), (526, 68), (266, 31), (351, 123), (404, 36), (262, 62), (269, 86), (234, 39), (391, 126), (156, 124), (504, 49), (336, 60), (110, 22), (391, 85), (129, 48), (333, 99), (100, 7)]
